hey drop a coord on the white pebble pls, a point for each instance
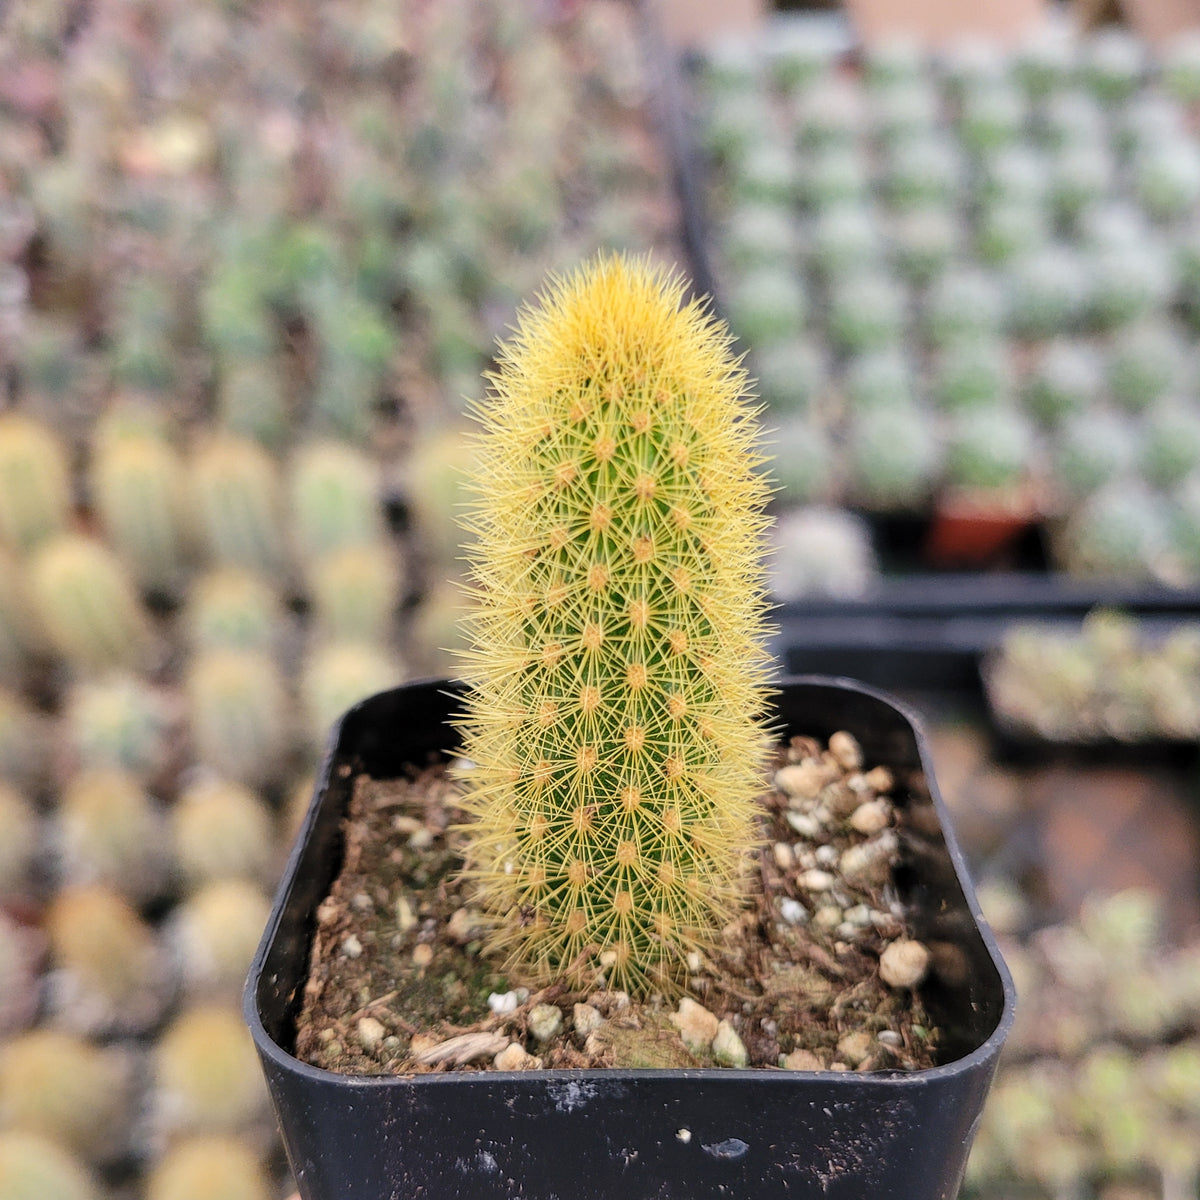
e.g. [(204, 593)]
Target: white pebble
[(697, 1026), (545, 1021), (870, 817), (845, 749), (904, 963), (352, 947), (805, 824), (827, 856), (503, 1002), (729, 1049), (370, 1033), (816, 880), (792, 911)]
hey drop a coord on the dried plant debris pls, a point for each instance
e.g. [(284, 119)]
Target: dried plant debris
[(819, 972)]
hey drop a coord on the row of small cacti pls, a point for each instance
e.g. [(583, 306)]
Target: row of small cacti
[(968, 272), (1109, 679), (1099, 1085), (275, 265)]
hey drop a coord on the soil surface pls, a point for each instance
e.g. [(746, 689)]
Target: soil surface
[(820, 972)]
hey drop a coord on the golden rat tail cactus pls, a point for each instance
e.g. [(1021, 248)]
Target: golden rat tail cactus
[(617, 670)]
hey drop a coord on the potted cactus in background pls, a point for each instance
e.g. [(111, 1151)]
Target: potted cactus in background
[(640, 858)]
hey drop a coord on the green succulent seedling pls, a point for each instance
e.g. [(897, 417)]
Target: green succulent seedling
[(616, 665)]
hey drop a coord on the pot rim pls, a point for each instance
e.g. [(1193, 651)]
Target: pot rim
[(268, 1047)]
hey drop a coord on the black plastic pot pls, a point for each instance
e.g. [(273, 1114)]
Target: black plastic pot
[(636, 1134)]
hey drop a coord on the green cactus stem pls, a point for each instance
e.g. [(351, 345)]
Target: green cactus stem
[(617, 667), (214, 934), (337, 675), (356, 593)]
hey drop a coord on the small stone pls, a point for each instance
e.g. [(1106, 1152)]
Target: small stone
[(890, 1038), (545, 1021), (422, 954), (816, 880), (827, 856), (406, 919), (514, 1057), (904, 963), (871, 861), (805, 824), (587, 1019), (801, 1060), (792, 911), (802, 780), (880, 780), (827, 917), (422, 839), (855, 1047), (859, 916), (839, 801), (845, 749), (465, 925), (694, 961), (871, 817), (362, 902), (785, 860), (352, 947), (727, 1048), (503, 1002), (697, 1026), (370, 1033)]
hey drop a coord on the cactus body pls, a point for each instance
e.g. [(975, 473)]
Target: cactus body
[(238, 502), (20, 976), (338, 675), (206, 1074), (334, 492), (201, 1168), (118, 722), (109, 974), (251, 400), (138, 488), (233, 609), (34, 1168), (87, 605), (241, 714), (35, 486), (222, 830), (214, 934), (69, 1090), (617, 665), (108, 830), (356, 593)]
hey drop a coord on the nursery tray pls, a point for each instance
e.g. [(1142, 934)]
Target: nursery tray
[(930, 632)]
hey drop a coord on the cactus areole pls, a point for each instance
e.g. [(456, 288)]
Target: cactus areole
[(617, 672)]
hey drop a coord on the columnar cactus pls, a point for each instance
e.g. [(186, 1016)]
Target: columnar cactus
[(617, 669)]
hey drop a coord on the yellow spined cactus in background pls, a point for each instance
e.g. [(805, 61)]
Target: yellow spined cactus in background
[(617, 672)]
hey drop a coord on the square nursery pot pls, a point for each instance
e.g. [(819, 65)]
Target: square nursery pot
[(636, 1134)]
